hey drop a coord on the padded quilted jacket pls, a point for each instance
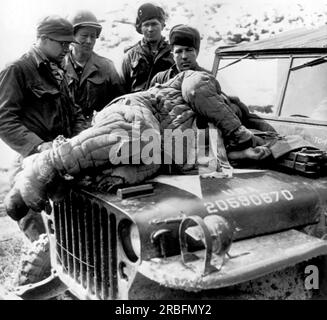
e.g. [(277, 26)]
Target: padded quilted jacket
[(122, 123)]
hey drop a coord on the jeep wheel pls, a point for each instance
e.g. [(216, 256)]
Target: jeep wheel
[(35, 264)]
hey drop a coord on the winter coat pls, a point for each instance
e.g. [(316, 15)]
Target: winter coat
[(140, 65), (34, 108), (173, 105), (237, 106), (96, 85)]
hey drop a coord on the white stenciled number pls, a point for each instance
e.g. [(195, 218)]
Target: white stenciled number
[(222, 205), (244, 201), (248, 200), (255, 199), (210, 207), (287, 195), (233, 202), (266, 198), (275, 195)]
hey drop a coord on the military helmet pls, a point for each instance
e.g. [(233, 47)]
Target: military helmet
[(85, 18)]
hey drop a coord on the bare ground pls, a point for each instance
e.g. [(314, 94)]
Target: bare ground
[(12, 240), (12, 244)]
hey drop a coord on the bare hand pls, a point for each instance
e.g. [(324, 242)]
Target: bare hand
[(44, 146), (257, 153)]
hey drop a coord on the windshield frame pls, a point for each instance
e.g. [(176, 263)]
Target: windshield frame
[(287, 55), (311, 63)]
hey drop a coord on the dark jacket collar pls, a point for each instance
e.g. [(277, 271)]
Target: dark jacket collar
[(144, 46), (162, 43), (174, 71), (38, 56)]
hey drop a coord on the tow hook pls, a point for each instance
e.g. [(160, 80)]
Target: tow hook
[(216, 234)]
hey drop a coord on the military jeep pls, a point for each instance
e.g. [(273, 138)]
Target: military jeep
[(194, 236)]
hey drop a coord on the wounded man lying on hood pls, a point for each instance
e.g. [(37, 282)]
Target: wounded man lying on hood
[(130, 140)]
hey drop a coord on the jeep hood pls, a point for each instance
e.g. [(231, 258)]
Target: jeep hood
[(256, 202)]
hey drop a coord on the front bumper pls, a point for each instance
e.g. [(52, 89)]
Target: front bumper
[(254, 258)]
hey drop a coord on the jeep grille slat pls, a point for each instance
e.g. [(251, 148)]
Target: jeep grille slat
[(86, 240), (62, 235), (75, 234), (68, 229), (87, 223), (104, 240), (113, 255), (81, 238), (96, 248)]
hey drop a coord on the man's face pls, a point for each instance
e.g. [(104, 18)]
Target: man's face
[(86, 37), (151, 30), (53, 49), (185, 57)]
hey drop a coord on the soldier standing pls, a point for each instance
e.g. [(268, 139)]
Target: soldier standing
[(93, 79), (35, 103), (151, 54)]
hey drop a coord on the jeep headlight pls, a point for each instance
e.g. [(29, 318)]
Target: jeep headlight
[(130, 239)]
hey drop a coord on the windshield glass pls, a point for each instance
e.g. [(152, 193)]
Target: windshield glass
[(257, 82), (306, 93)]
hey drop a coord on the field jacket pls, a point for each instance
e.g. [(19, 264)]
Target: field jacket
[(34, 108), (140, 65), (96, 86)]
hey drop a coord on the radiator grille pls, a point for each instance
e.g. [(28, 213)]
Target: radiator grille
[(86, 244)]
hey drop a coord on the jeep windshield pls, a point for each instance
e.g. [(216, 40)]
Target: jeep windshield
[(278, 85)]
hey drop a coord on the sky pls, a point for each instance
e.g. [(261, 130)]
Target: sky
[(18, 18)]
